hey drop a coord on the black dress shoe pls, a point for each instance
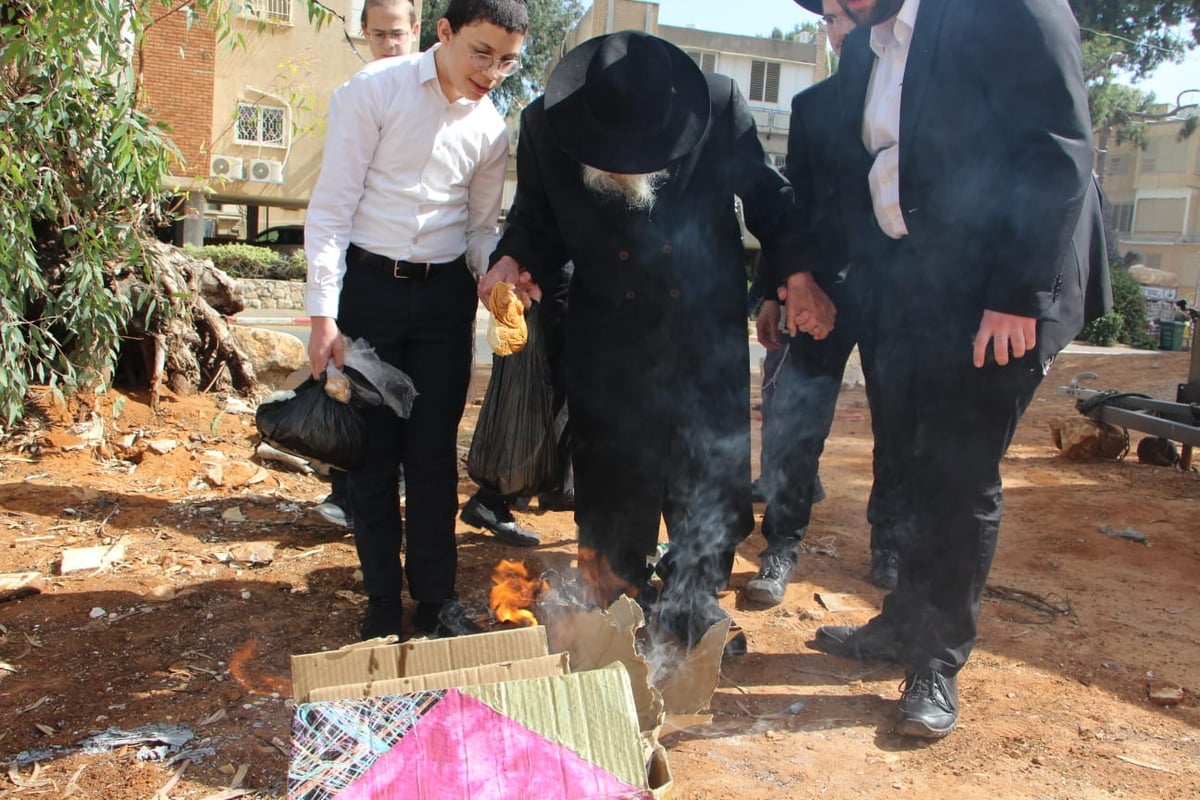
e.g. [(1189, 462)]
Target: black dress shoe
[(929, 704), (875, 641), (499, 520), (445, 619), (383, 618), (689, 625), (557, 501), (885, 568)]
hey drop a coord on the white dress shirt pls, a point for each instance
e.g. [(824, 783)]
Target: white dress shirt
[(881, 116), (406, 174)]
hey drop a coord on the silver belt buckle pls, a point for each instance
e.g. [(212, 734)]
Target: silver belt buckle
[(396, 271)]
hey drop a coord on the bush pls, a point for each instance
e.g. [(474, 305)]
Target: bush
[(1126, 323), (1105, 331), (250, 261)]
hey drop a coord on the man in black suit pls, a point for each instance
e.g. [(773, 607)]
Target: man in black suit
[(804, 375), (972, 224), (629, 166)]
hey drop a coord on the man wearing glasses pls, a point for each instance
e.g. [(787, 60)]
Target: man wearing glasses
[(402, 220), (391, 27)]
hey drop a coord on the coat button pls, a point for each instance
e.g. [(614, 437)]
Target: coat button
[(631, 294), (623, 255), (674, 293), (666, 249)]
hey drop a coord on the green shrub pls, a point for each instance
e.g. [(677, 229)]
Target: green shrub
[(1126, 323), (249, 261), (1105, 331)]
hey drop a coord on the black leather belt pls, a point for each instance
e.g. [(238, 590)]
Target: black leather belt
[(404, 270)]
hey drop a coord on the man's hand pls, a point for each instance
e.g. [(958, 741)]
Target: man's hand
[(507, 270), (325, 342), (1006, 333), (808, 308), (768, 325)]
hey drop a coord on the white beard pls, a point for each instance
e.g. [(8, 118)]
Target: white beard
[(638, 191)]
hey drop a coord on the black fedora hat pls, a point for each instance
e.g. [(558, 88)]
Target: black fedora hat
[(627, 102), (812, 5)]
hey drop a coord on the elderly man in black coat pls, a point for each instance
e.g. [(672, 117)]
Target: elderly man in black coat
[(628, 166)]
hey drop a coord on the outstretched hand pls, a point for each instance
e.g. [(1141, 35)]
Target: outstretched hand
[(507, 270)]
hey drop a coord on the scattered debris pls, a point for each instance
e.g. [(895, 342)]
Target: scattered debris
[(233, 514), (170, 737), (19, 584), (1050, 607), (1144, 764), (1164, 694), (837, 602), (1128, 533), (162, 446), (97, 613), (264, 452), (249, 554), (77, 559)]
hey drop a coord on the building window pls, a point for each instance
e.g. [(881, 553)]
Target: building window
[(269, 10), (706, 61), (764, 81), (1123, 217), (1117, 165), (1164, 155), (1160, 215), (258, 124)]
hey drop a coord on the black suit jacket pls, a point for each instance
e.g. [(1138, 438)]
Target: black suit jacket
[(995, 163)]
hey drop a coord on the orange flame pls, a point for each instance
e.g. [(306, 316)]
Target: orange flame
[(514, 593)]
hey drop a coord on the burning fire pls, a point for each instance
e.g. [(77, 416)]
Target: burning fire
[(514, 593)]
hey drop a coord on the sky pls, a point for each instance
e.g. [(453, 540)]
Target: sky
[(758, 17)]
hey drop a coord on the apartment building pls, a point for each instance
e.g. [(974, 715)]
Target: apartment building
[(1155, 198), (767, 71), (248, 119)]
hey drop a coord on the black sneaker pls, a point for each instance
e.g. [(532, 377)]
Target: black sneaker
[(445, 619), (383, 618), (770, 584), (928, 705), (499, 520)]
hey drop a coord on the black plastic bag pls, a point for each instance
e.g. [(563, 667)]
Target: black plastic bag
[(515, 448), (307, 422)]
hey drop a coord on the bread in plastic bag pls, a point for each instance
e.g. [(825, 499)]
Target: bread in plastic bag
[(323, 422)]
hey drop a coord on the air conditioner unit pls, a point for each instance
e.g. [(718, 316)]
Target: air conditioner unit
[(265, 171), (230, 168)]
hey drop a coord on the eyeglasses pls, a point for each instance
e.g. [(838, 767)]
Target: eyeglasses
[(381, 37), (483, 62)]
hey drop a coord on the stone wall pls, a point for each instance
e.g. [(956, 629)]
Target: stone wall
[(259, 293)]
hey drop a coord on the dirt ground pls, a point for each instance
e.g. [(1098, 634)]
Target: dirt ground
[(1055, 699)]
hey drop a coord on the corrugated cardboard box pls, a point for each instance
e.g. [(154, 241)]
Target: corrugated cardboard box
[(355, 738)]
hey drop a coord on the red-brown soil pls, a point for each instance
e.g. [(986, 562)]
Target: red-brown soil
[(1055, 702)]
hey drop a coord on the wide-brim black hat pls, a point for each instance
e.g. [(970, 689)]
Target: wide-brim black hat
[(812, 5), (627, 102)]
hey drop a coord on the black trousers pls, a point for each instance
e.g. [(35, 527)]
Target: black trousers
[(425, 327), (800, 393), (950, 424)]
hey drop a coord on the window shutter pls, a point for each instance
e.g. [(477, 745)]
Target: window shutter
[(758, 71), (772, 89)]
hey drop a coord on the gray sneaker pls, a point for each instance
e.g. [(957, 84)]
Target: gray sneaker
[(770, 585)]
